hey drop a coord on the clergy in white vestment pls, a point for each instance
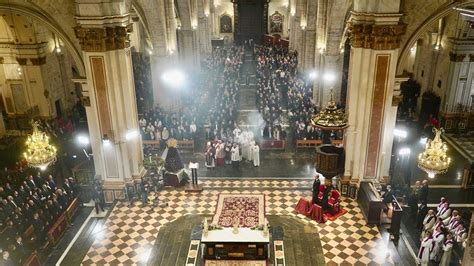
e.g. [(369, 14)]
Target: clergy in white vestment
[(447, 250), (444, 212), (251, 144), (438, 239), (426, 248), (256, 154), (235, 156), (428, 223)]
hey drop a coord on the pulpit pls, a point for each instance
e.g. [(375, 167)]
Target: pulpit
[(329, 159)]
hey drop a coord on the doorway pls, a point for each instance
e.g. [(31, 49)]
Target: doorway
[(59, 112), (251, 22)]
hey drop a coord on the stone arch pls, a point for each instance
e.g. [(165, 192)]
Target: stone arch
[(441, 12), (143, 20), (53, 26)]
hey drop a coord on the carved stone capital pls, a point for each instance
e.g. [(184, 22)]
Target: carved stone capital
[(103, 39), (22, 61), (38, 61), (377, 37)]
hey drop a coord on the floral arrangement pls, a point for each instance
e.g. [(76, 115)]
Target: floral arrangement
[(260, 227), (214, 227)]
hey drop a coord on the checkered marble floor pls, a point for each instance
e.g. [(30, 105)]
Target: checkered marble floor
[(130, 231)]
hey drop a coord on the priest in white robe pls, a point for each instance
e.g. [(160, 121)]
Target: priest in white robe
[(438, 240), (235, 156), (256, 154), (447, 251), (426, 248)]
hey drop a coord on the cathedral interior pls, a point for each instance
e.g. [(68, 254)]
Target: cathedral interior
[(236, 132)]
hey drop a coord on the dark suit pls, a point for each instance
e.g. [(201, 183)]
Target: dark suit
[(423, 196), (316, 185)]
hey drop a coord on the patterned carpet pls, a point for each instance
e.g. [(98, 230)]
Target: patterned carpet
[(130, 231), (247, 210)]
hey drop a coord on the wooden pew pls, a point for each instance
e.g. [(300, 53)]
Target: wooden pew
[(71, 209), (186, 145), (58, 229), (182, 144), (32, 260), (272, 145), (305, 144), (28, 233)]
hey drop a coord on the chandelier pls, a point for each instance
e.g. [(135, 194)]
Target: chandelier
[(434, 159), (39, 153), (331, 117)]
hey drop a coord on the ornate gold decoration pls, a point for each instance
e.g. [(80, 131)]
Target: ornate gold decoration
[(330, 117), (39, 152), (103, 39), (377, 37), (434, 159)]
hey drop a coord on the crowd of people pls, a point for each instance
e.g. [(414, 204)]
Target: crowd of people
[(276, 70), (223, 114), (211, 101), (37, 201), (157, 124), (441, 229)]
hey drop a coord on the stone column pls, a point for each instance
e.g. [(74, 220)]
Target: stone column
[(111, 110), (375, 41)]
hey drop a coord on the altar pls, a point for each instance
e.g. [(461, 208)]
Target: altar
[(246, 244)]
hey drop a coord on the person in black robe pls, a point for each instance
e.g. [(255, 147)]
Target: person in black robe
[(316, 185)]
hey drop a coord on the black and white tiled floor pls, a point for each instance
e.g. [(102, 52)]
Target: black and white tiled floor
[(130, 231)]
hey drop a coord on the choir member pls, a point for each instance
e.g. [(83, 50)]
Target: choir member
[(447, 250), (256, 154), (438, 239), (426, 248)]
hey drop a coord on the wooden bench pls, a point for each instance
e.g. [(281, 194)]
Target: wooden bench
[(181, 144), (272, 145), (151, 142), (186, 145), (58, 229), (305, 144), (28, 233), (71, 209), (32, 260)]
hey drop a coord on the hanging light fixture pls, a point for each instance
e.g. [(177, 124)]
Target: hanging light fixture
[(39, 153), (434, 159), (330, 118)]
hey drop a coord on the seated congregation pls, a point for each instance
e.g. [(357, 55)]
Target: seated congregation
[(35, 212)]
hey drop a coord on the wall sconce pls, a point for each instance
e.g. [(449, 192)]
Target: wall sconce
[(105, 140), (293, 12), (321, 50), (20, 72), (413, 49), (437, 46)]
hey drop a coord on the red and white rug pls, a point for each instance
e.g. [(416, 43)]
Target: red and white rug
[(246, 209)]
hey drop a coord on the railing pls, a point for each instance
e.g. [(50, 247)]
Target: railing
[(182, 144), (308, 144)]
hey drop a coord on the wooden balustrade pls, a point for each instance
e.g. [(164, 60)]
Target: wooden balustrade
[(308, 144), (71, 209), (32, 260), (58, 229), (182, 144)]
